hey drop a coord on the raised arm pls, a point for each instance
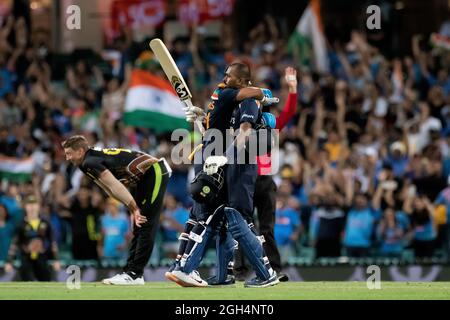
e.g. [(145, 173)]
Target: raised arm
[(431, 212), (415, 41), (301, 133), (290, 107), (407, 205), (376, 200), (317, 126), (193, 48), (430, 207), (340, 115), (344, 61)]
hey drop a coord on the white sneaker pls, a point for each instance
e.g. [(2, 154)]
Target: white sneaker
[(124, 279), (171, 277), (192, 279)]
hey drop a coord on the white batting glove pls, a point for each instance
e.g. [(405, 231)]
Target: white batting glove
[(213, 163), (193, 113)]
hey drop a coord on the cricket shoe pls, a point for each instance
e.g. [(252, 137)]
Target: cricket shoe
[(258, 283), (282, 277), (213, 281), (169, 276), (192, 279), (124, 279)]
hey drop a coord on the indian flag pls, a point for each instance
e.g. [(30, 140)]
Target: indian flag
[(151, 102), (308, 43), (16, 170)]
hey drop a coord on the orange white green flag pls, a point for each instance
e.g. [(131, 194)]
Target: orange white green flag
[(308, 42), (16, 170), (151, 102)]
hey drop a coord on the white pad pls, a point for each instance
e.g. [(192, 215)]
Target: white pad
[(261, 239), (183, 236), (197, 238)]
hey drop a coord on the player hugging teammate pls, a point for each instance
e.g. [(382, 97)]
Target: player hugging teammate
[(224, 189)]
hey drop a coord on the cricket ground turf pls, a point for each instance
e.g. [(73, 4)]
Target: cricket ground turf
[(171, 291)]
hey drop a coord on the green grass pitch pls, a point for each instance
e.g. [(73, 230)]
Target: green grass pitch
[(283, 291)]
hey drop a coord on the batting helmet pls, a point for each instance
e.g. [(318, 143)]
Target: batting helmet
[(206, 188)]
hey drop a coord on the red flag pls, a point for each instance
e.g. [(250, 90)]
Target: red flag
[(137, 14), (200, 11)]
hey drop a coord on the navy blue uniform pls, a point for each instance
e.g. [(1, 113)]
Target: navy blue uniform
[(241, 180), (220, 110), (218, 117), (240, 185), (242, 176)]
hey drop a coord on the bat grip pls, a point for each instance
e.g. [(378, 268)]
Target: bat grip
[(200, 127), (191, 156)]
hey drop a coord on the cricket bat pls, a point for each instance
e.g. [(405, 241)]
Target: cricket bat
[(174, 75)]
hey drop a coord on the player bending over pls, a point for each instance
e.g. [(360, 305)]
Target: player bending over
[(136, 179)]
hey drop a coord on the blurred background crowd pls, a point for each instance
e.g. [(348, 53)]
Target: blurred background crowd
[(364, 163)]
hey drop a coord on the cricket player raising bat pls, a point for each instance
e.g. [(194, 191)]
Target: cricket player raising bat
[(224, 100)]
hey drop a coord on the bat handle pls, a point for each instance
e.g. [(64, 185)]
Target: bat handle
[(200, 127), (191, 156)]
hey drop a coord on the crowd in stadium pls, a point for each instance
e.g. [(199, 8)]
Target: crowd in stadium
[(364, 163)]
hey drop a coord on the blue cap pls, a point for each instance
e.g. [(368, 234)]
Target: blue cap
[(269, 119)]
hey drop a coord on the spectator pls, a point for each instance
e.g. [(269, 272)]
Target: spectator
[(440, 221), (113, 103), (444, 199), (173, 220), (421, 211), (6, 78), (398, 158), (334, 147), (84, 218), (12, 205), (10, 112), (288, 228), (115, 231), (373, 124), (35, 245), (6, 232), (327, 225), (390, 234), (359, 227)]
